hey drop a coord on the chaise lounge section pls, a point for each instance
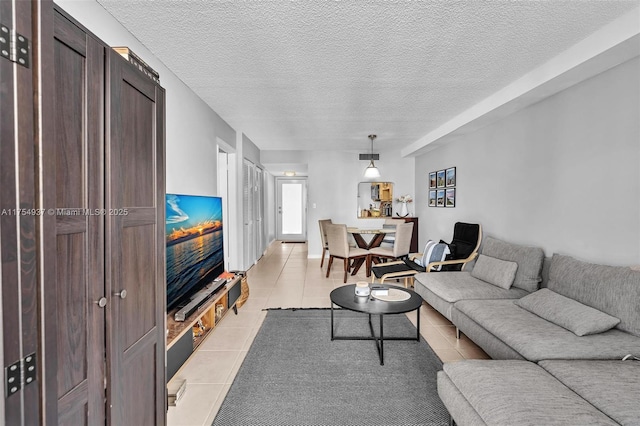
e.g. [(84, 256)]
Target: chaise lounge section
[(567, 393)]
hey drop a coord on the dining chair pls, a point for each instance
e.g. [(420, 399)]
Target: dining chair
[(338, 245), (398, 251), (390, 238), (323, 237)]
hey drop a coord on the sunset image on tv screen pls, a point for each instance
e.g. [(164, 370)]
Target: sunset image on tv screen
[(194, 244)]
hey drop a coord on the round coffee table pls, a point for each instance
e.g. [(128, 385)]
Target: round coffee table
[(346, 298)]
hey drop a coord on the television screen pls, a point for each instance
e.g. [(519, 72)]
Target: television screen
[(195, 253)]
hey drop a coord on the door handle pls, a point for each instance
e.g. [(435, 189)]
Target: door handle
[(122, 294), (102, 302)]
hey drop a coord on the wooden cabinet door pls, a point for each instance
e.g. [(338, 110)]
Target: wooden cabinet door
[(75, 325), (135, 246), (18, 218)]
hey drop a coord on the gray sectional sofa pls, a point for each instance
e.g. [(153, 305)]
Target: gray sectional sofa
[(583, 312)]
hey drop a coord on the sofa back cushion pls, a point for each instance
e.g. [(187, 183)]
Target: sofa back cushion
[(529, 260), (614, 290), (580, 319)]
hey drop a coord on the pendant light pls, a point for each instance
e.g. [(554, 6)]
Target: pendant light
[(372, 172)]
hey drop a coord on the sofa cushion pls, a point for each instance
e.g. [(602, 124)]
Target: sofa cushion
[(610, 386), (519, 393), (494, 347), (441, 290), (614, 290), (454, 286), (456, 403), (574, 316), (436, 302), (529, 260), (495, 271), (536, 338)]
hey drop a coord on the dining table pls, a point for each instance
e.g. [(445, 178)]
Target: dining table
[(375, 241)]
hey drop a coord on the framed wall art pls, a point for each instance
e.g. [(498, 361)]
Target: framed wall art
[(450, 197), (440, 198), (440, 178), (450, 177), (432, 180), (432, 198)]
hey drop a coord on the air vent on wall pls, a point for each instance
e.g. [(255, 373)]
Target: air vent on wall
[(369, 157)]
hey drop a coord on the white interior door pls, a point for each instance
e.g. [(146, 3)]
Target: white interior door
[(291, 208), (260, 223), (223, 191), (248, 188)]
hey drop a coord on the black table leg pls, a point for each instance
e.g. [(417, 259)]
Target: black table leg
[(418, 324), (381, 342), (332, 321)]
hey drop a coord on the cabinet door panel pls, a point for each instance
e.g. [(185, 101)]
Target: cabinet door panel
[(77, 353), (135, 246), (137, 179), (140, 302)]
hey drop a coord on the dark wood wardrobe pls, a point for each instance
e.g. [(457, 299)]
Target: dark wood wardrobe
[(97, 255)]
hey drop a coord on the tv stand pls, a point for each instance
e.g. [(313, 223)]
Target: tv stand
[(183, 337)]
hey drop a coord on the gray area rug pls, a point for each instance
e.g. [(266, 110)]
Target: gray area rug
[(294, 374)]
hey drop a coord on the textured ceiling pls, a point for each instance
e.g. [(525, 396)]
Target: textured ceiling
[(306, 75)]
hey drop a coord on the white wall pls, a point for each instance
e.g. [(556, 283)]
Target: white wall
[(333, 188), (192, 127), (562, 174), (250, 150)]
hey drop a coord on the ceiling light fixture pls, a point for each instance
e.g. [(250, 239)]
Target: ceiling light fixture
[(372, 172), (290, 173)]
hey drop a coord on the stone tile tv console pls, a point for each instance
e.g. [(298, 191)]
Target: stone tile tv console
[(183, 337)]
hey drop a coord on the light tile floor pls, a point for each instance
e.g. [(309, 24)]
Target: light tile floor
[(284, 278)]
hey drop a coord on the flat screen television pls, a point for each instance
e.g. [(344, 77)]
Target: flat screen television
[(195, 253)]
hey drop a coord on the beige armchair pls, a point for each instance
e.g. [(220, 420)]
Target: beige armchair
[(338, 245)]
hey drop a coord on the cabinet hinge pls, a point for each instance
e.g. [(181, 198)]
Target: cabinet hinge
[(20, 374), (14, 47)]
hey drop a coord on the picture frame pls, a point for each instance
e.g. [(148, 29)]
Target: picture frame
[(432, 197), (450, 197), (450, 177), (440, 197), (440, 179), (432, 180)]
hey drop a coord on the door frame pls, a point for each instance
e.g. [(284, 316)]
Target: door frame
[(278, 209)]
